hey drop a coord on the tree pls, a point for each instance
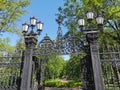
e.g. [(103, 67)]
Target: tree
[(5, 48), (10, 11), (20, 46), (73, 67), (54, 67), (110, 9)]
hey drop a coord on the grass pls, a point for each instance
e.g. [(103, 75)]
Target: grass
[(63, 84)]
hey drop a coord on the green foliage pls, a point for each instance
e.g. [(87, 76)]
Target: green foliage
[(8, 75), (20, 46), (5, 47), (73, 68), (10, 11), (106, 38), (110, 9), (59, 84), (54, 67)]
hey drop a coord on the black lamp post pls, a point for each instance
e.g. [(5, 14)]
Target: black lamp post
[(94, 65), (30, 41)]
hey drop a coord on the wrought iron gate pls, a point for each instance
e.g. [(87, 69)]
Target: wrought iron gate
[(10, 72), (47, 48)]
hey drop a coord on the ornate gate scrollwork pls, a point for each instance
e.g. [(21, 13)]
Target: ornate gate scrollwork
[(68, 45), (73, 45), (45, 47)]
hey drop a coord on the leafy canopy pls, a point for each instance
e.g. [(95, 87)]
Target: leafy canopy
[(109, 9), (10, 11)]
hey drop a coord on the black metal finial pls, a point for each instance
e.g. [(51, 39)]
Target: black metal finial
[(59, 20)]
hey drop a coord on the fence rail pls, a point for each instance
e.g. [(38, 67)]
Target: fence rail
[(110, 61)]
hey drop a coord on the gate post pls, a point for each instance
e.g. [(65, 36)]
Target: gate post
[(92, 38), (30, 42)]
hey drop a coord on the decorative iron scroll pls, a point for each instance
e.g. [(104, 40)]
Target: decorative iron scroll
[(69, 45), (45, 47)]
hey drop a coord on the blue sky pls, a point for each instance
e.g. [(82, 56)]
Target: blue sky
[(43, 10)]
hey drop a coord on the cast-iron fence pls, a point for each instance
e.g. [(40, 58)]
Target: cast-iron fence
[(10, 72), (110, 61)]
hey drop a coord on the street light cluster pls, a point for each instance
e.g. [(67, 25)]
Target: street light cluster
[(33, 24), (90, 17)]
